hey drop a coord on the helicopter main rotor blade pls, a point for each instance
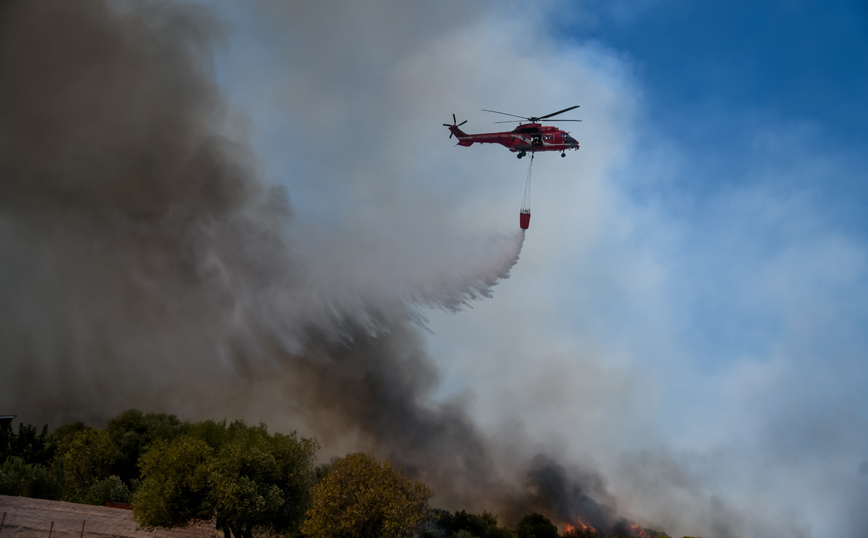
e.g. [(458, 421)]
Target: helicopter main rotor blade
[(505, 114), (516, 121), (559, 112)]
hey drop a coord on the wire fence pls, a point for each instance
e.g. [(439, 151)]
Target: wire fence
[(35, 518)]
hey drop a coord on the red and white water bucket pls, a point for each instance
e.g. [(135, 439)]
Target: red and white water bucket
[(524, 218)]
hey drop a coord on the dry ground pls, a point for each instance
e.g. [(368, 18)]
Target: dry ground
[(21, 517)]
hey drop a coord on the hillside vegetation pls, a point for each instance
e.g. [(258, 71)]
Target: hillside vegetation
[(254, 483)]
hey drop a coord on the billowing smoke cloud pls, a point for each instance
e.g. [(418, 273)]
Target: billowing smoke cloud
[(136, 239), (136, 234), (146, 264)]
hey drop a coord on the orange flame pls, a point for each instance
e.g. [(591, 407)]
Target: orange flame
[(639, 532), (579, 529)]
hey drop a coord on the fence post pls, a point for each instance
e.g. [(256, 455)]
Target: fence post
[(82, 528), (50, 529)]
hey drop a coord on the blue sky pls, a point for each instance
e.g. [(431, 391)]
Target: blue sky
[(711, 73), (783, 59)]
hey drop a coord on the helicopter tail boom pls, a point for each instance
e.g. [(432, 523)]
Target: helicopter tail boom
[(463, 138)]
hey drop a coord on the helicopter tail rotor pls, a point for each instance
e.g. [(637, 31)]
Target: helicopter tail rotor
[(454, 124)]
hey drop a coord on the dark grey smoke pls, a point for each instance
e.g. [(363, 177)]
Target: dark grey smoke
[(145, 264), (379, 390), (132, 231), (567, 494)]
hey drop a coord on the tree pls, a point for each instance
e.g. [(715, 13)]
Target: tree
[(482, 526), (86, 455), (536, 526), (493, 530), (132, 431), (261, 481), (26, 464), (22, 479), (364, 498), (475, 525), (174, 488), (31, 447), (249, 479), (108, 489)]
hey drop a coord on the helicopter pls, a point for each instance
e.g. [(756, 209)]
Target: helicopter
[(527, 137)]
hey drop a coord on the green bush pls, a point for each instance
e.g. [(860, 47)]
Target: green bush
[(23, 479), (111, 489)]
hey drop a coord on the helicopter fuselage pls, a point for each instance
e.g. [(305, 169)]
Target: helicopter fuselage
[(527, 137)]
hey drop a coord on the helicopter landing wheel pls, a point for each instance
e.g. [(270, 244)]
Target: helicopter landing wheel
[(563, 154), (520, 155)]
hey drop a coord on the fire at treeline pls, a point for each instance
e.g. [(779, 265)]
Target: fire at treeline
[(252, 482)]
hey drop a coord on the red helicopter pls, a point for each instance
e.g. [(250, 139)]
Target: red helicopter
[(526, 137)]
